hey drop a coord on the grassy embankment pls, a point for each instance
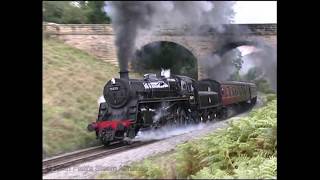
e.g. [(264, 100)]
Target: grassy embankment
[(72, 83), (245, 149)]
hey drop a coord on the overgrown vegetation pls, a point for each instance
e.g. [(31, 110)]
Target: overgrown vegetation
[(246, 149), (72, 83), (75, 12), (254, 76)]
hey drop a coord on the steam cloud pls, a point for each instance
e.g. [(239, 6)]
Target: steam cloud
[(166, 132), (132, 17), (219, 65), (132, 20)]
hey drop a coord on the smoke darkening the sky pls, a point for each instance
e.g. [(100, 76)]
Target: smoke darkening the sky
[(249, 12), (129, 19)]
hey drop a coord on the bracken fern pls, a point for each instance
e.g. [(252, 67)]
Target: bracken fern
[(246, 149)]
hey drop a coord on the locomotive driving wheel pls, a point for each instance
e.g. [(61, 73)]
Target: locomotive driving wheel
[(205, 117), (180, 117), (211, 116)]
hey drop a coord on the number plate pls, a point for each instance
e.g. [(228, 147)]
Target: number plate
[(116, 88)]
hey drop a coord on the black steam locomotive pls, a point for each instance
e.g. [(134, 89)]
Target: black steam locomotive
[(173, 100)]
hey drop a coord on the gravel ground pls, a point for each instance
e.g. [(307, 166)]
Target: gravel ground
[(89, 170)]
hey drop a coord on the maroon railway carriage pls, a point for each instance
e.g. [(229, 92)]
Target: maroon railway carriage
[(238, 92)]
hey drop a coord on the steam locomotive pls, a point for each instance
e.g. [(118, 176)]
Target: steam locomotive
[(168, 100)]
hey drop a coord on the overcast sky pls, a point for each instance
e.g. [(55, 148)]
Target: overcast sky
[(255, 12)]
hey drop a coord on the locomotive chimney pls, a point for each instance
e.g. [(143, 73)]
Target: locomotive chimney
[(124, 74)]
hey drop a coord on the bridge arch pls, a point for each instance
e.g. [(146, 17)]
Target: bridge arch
[(186, 42), (263, 57), (166, 54)]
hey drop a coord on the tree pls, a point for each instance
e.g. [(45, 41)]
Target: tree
[(74, 15), (235, 77), (236, 60), (95, 12), (75, 12), (53, 10), (255, 75)]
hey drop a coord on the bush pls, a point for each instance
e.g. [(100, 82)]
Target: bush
[(246, 149), (271, 97)]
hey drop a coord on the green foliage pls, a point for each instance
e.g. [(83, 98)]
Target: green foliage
[(254, 75), (235, 77), (271, 97), (53, 11), (147, 170), (64, 12), (159, 167), (74, 15), (246, 149), (95, 12), (263, 86), (237, 59)]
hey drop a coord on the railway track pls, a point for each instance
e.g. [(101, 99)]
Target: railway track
[(76, 157)]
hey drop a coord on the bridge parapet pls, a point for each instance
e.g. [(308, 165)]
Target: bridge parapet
[(106, 29), (78, 29)]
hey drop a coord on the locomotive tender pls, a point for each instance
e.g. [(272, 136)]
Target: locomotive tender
[(153, 102)]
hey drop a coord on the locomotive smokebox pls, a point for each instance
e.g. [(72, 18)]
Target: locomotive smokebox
[(124, 74)]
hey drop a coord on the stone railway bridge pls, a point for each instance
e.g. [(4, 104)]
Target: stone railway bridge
[(98, 39)]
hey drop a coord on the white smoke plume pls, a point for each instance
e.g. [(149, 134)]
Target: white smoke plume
[(101, 100), (166, 132)]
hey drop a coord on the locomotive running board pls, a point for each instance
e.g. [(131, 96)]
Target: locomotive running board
[(164, 99)]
